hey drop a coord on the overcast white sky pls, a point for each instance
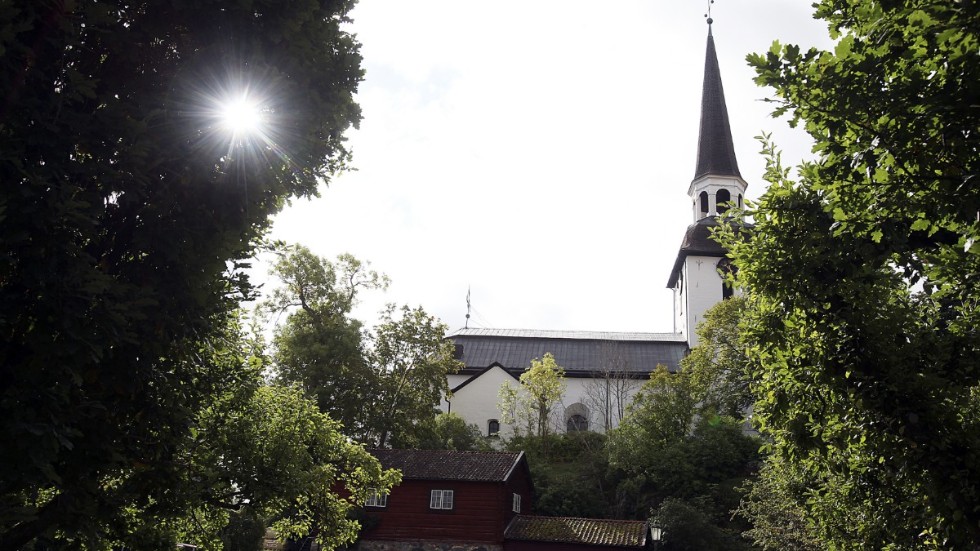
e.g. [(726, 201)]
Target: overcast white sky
[(539, 152)]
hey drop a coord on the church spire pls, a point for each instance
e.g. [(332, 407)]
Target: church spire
[(717, 183), (716, 151)]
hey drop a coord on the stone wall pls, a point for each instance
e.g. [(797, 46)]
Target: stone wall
[(425, 546)]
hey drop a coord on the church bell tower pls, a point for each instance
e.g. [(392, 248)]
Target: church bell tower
[(717, 186)]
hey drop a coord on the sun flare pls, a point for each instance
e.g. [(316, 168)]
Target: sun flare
[(241, 116)]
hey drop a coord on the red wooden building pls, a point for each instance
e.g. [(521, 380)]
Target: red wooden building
[(466, 499)]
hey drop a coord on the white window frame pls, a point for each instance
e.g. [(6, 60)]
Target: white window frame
[(441, 499), (376, 499), (516, 506)]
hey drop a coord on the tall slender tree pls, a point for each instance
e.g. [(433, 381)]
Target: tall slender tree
[(383, 385), (411, 359), (127, 214), (532, 403), (317, 343)]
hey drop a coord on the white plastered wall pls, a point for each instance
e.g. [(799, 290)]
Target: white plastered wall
[(702, 290), (477, 402)]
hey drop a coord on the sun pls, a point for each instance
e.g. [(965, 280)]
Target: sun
[(237, 118), (241, 116)]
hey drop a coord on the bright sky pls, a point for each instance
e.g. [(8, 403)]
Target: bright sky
[(539, 152)]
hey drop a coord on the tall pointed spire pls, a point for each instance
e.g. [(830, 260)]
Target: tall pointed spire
[(716, 151)]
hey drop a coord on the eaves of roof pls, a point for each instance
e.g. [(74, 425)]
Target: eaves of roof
[(480, 374), (450, 464), (698, 241)]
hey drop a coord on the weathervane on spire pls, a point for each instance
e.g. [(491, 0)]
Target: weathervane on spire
[(708, 15)]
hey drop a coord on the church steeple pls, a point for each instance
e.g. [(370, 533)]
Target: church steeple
[(717, 182), (696, 277), (716, 151)]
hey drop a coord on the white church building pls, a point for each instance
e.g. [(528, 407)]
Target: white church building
[(604, 369)]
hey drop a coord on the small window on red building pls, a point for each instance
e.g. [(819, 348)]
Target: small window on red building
[(376, 499), (517, 503), (441, 499)]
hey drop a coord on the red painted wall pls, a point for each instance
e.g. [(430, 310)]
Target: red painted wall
[(480, 513)]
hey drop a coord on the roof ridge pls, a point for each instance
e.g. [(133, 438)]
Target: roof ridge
[(577, 334), (620, 520)]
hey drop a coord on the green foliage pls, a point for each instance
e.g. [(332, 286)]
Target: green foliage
[(863, 305), (411, 358), (662, 413), (320, 346), (256, 453), (530, 405), (274, 457), (774, 506), (244, 532), (400, 370), (450, 432), (716, 368), (669, 447), (570, 473), (688, 526), (126, 226)]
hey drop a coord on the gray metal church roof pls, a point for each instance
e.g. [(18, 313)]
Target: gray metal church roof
[(578, 352)]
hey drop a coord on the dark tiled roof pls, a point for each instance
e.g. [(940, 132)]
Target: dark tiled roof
[(697, 239), (450, 465), (578, 352), (618, 533), (716, 151), (698, 242)]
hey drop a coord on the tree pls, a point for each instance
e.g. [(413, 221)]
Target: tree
[(774, 504), (320, 346), (127, 216), (669, 446), (863, 304), (717, 366), (611, 388), (411, 359), (569, 472), (661, 413), (687, 525), (541, 389), (279, 458), (450, 432), (400, 367), (255, 454)]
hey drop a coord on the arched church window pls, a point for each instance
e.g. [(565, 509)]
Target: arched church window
[(493, 427), (740, 201), (577, 423), (576, 418), (726, 269), (704, 202), (722, 198)]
